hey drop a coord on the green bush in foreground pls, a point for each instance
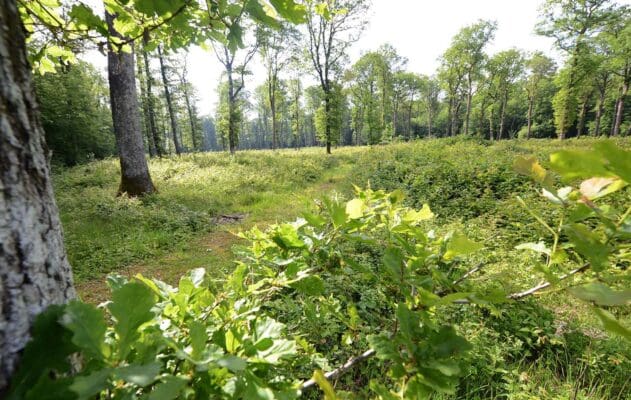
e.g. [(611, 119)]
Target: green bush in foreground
[(363, 278)]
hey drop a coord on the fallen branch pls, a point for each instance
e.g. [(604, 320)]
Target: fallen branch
[(463, 277), (342, 369), (533, 290)]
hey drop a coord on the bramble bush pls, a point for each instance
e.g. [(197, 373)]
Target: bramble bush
[(365, 289)]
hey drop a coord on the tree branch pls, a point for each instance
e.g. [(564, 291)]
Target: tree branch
[(342, 369)]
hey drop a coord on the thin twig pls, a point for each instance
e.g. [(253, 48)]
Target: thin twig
[(342, 369)]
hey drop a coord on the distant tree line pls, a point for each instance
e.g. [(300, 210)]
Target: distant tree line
[(505, 95)]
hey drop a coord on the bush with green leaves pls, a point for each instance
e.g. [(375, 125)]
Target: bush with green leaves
[(365, 289)]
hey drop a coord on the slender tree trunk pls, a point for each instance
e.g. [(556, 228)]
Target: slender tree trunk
[(151, 145), (582, 116), (135, 178), (454, 121), (450, 116), (167, 95), (491, 134), (531, 102), (620, 108), (599, 113), (327, 111), (409, 125), (192, 117), (232, 133), (500, 133), (34, 270), (468, 114), (151, 106)]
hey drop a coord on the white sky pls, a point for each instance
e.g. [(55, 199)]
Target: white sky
[(420, 30)]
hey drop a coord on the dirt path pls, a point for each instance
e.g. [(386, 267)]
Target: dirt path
[(213, 250)]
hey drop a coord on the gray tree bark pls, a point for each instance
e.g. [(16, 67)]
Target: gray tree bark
[(151, 105), (135, 178), (34, 270), (167, 95)]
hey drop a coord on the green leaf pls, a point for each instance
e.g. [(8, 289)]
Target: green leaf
[(393, 260), (312, 285), (233, 363), (88, 326), (413, 216), (141, 375), (355, 208), (618, 160), (601, 294), (530, 167), (324, 385), (338, 213), (611, 324), (168, 389), (131, 307), (571, 164), (286, 237), (588, 244), (49, 350), (290, 10), (460, 245), (49, 388), (89, 385), (256, 10), (199, 337)]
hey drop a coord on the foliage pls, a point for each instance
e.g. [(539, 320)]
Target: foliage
[(369, 272), (194, 340), (75, 116), (590, 232)]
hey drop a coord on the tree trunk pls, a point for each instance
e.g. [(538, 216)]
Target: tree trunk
[(135, 178), (151, 105), (167, 95), (620, 109), (502, 118), (450, 117), (151, 144), (327, 111), (491, 134), (582, 116), (191, 115), (34, 270), (531, 101), (232, 142), (468, 114)]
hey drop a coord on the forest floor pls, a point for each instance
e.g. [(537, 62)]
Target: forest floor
[(205, 199)]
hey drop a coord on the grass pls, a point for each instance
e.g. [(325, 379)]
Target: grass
[(469, 184)]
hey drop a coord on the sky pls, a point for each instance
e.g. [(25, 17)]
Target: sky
[(420, 30)]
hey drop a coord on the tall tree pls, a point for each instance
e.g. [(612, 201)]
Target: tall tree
[(539, 69), (34, 269), (235, 63), (276, 47), (146, 114), (430, 92), (332, 25), (150, 101), (618, 36), (469, 46), (135, 178), (506, 67), (572, 24), (189, 101), (169, 99)]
